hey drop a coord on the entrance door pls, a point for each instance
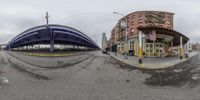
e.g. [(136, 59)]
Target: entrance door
[(159, 49), (149, 49)]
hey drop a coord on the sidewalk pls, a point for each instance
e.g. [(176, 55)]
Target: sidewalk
[(151, 63)]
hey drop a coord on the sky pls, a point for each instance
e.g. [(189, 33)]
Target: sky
[(92, 17)]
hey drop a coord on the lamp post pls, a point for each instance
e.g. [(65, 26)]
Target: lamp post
[(126, 32), (140, 47), (181, 47), (9, 47)]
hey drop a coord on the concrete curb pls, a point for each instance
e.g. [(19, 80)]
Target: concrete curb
[(64, 55), (143, 68), (51, 67)]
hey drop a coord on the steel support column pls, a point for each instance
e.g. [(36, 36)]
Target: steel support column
[(52, 41), (181, 48)]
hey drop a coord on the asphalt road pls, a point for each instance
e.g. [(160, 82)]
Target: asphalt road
[(96, 77)]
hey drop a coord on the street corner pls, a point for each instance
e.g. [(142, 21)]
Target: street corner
[(152, 63), (141, 66)]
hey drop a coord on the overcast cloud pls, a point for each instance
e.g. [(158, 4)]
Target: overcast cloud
[(93, 17)]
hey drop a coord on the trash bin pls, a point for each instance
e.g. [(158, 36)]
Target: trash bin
[(131, 52), (186, 55)]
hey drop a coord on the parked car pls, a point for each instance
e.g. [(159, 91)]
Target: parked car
[(104, 51)]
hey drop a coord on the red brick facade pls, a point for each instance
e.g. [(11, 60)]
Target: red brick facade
[(142, 18)]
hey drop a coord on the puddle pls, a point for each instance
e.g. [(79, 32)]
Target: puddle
[(176, 77), (196, 77), (4, 81), (178, 70), (127, 81), (179, 75)]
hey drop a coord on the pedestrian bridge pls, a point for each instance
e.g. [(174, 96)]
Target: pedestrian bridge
[(52, 34)]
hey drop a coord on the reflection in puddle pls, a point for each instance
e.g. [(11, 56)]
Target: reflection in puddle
[(3, 81), (196, 77)]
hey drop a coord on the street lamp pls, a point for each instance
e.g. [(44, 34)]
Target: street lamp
[(126, 31)]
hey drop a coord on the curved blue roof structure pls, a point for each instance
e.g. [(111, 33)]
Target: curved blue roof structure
[(52, 34)]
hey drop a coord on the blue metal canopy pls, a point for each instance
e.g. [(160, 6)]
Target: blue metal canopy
[(52, 34)]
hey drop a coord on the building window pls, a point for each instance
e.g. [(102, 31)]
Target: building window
[(131, 42), (132, 23), (132, 17), (168, 27), (132, 20), (140, 17), (132, 31), (131, 45), (168, 22), (159, 25), (157, 45), (140, 20)]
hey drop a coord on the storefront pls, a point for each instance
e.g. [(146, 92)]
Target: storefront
[(161, 44)]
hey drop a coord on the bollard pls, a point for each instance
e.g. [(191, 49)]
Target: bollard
[(140, 55)]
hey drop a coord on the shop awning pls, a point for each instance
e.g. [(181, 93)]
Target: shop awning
[(166, 31)]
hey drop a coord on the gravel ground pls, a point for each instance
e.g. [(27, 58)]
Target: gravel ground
[(100, 77)]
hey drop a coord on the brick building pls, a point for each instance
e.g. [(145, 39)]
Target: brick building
[(158, 33), (194, 47)]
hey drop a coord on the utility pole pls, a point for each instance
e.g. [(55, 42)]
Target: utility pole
[(47, 18), (51, 32)]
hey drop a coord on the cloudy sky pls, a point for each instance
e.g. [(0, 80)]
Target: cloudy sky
[(93, 17)]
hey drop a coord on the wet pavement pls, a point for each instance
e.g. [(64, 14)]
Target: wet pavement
[(154, 63), (99, 77), (182, 74)]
